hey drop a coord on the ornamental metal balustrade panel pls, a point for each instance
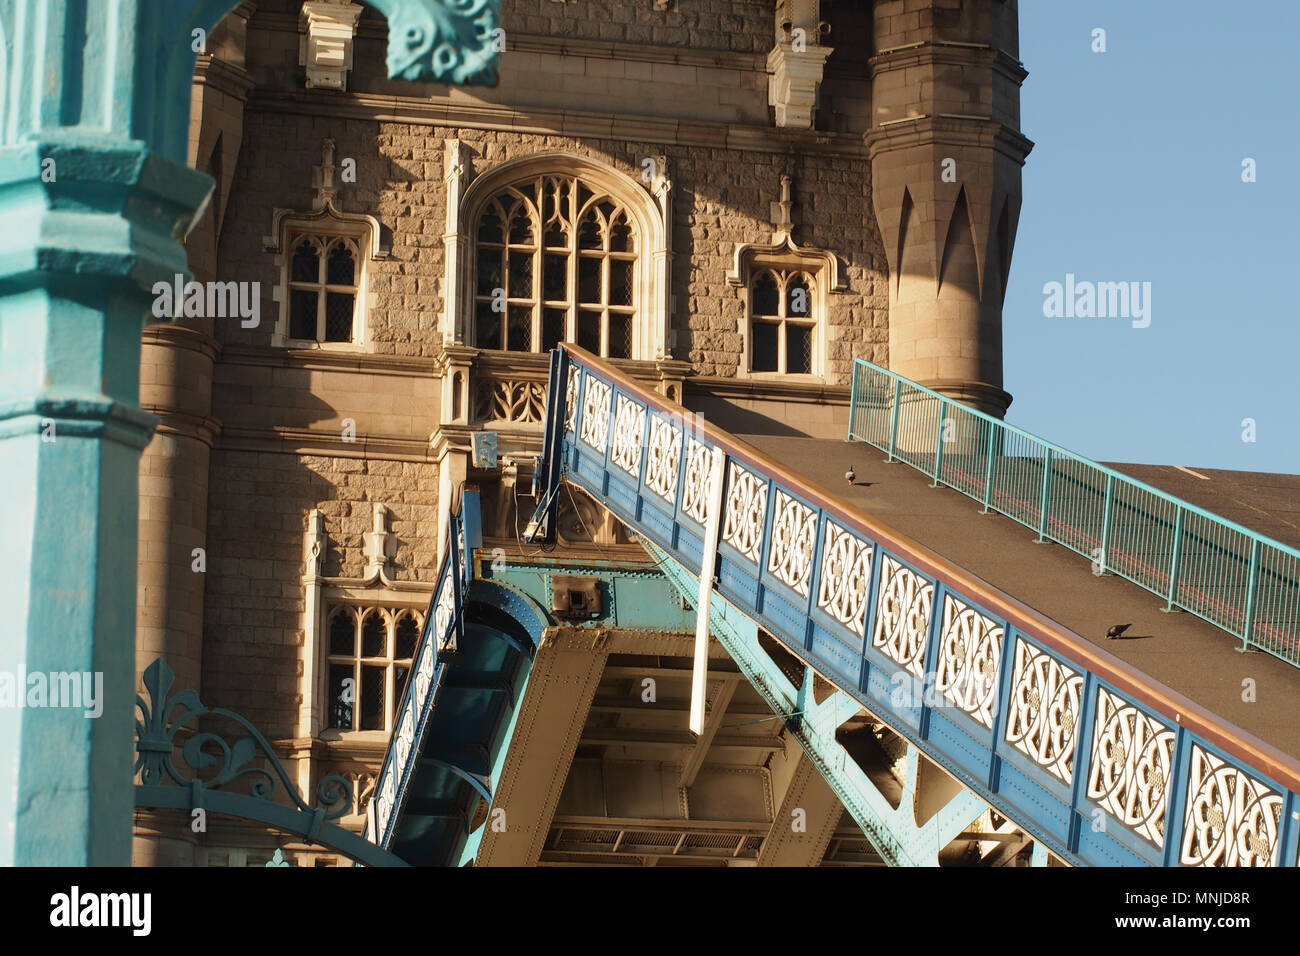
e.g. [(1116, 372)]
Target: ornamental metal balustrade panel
[(1102, 764), (1235, 578), (444, 623)]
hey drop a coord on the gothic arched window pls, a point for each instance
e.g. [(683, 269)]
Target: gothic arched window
[(782, 322), (323, 283), (555, 261), (369, 654)]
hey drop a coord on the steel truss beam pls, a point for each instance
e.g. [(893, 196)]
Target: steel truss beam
[(894, 833)]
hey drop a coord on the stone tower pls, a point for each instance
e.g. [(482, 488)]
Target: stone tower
[(946, 153), (177, 359)]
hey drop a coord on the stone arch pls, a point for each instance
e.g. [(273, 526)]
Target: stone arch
[(648, 213)]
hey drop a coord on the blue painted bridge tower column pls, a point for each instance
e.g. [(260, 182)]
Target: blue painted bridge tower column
[(94, 195), (94, 198)]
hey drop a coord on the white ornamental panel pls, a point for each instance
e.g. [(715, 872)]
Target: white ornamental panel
[(385, 801), (595, 413), (443, 613), (663, 459), (1043, 712), (903, 615), (970, 649), (695, 490), (743, 512), (402, 744), (794, 535), (571, 397), (1130, 767), (845, 580), (629, 430), (421, 686), (424, 675), (1232, 818)]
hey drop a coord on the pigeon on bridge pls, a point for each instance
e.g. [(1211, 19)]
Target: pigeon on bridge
[(1117, 630)]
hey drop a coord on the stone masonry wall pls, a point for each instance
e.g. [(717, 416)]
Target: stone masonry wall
[(721, 199), (258, 500), (254, 595)]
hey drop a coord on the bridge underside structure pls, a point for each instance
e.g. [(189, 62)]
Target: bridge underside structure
[(866, 700)]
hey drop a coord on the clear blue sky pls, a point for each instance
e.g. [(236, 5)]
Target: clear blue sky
[(1136, 176)]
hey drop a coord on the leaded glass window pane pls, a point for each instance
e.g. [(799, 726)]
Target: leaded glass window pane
[(302, 314), (324, 278), (569, 268)]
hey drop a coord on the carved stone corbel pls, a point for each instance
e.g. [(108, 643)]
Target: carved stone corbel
[(325, 47)]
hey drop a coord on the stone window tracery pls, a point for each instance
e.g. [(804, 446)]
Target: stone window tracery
[(556, 261), (368, 655), (323, 282), (783, 322)]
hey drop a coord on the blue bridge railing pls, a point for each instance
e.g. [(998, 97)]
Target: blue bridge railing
[(1096, 760), (440, 638), (1233, 577)]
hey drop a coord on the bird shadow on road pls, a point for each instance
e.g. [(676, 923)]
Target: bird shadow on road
[(863, 484), (1134, 637)]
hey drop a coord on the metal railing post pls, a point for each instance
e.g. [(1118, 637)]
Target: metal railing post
[(1175, 562), (893, 428), (853, 405), (1106, 513), (938, 444), (1042, 501), (988, 467), (1252, 584)]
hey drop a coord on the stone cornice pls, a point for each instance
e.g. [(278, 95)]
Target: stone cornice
[(172, 422), (327, 444), (232, 80), (376, 589), (54, 416), (771, 389), (417, 111), (986, 397), (326, 361), (948, 130), (947, 53), (563, 46), (176, 336)]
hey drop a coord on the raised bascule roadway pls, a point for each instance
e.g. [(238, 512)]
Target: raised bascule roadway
[(1184, 652), (939, 662)]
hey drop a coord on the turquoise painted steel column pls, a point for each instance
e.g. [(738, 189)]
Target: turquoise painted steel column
[(1252, 585), (94, 196), (938, 443), (90, 216)]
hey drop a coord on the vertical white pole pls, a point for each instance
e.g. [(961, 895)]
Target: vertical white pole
[(712, 525)]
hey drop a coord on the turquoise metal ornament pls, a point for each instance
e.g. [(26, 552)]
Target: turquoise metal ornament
[(212, 767), (95, 195), (444, 41), (1235, 578)]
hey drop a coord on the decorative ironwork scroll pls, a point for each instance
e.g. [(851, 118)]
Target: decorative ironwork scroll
[(213, 770), (970, 650), (794, 536), (444, 41), (629, 430), (903, 618), (845, 583), (1043, 712), (1233, 819), (571, 398), (1132, 756), (663, 459), (595, 413), (695, 492), (746, 502)]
